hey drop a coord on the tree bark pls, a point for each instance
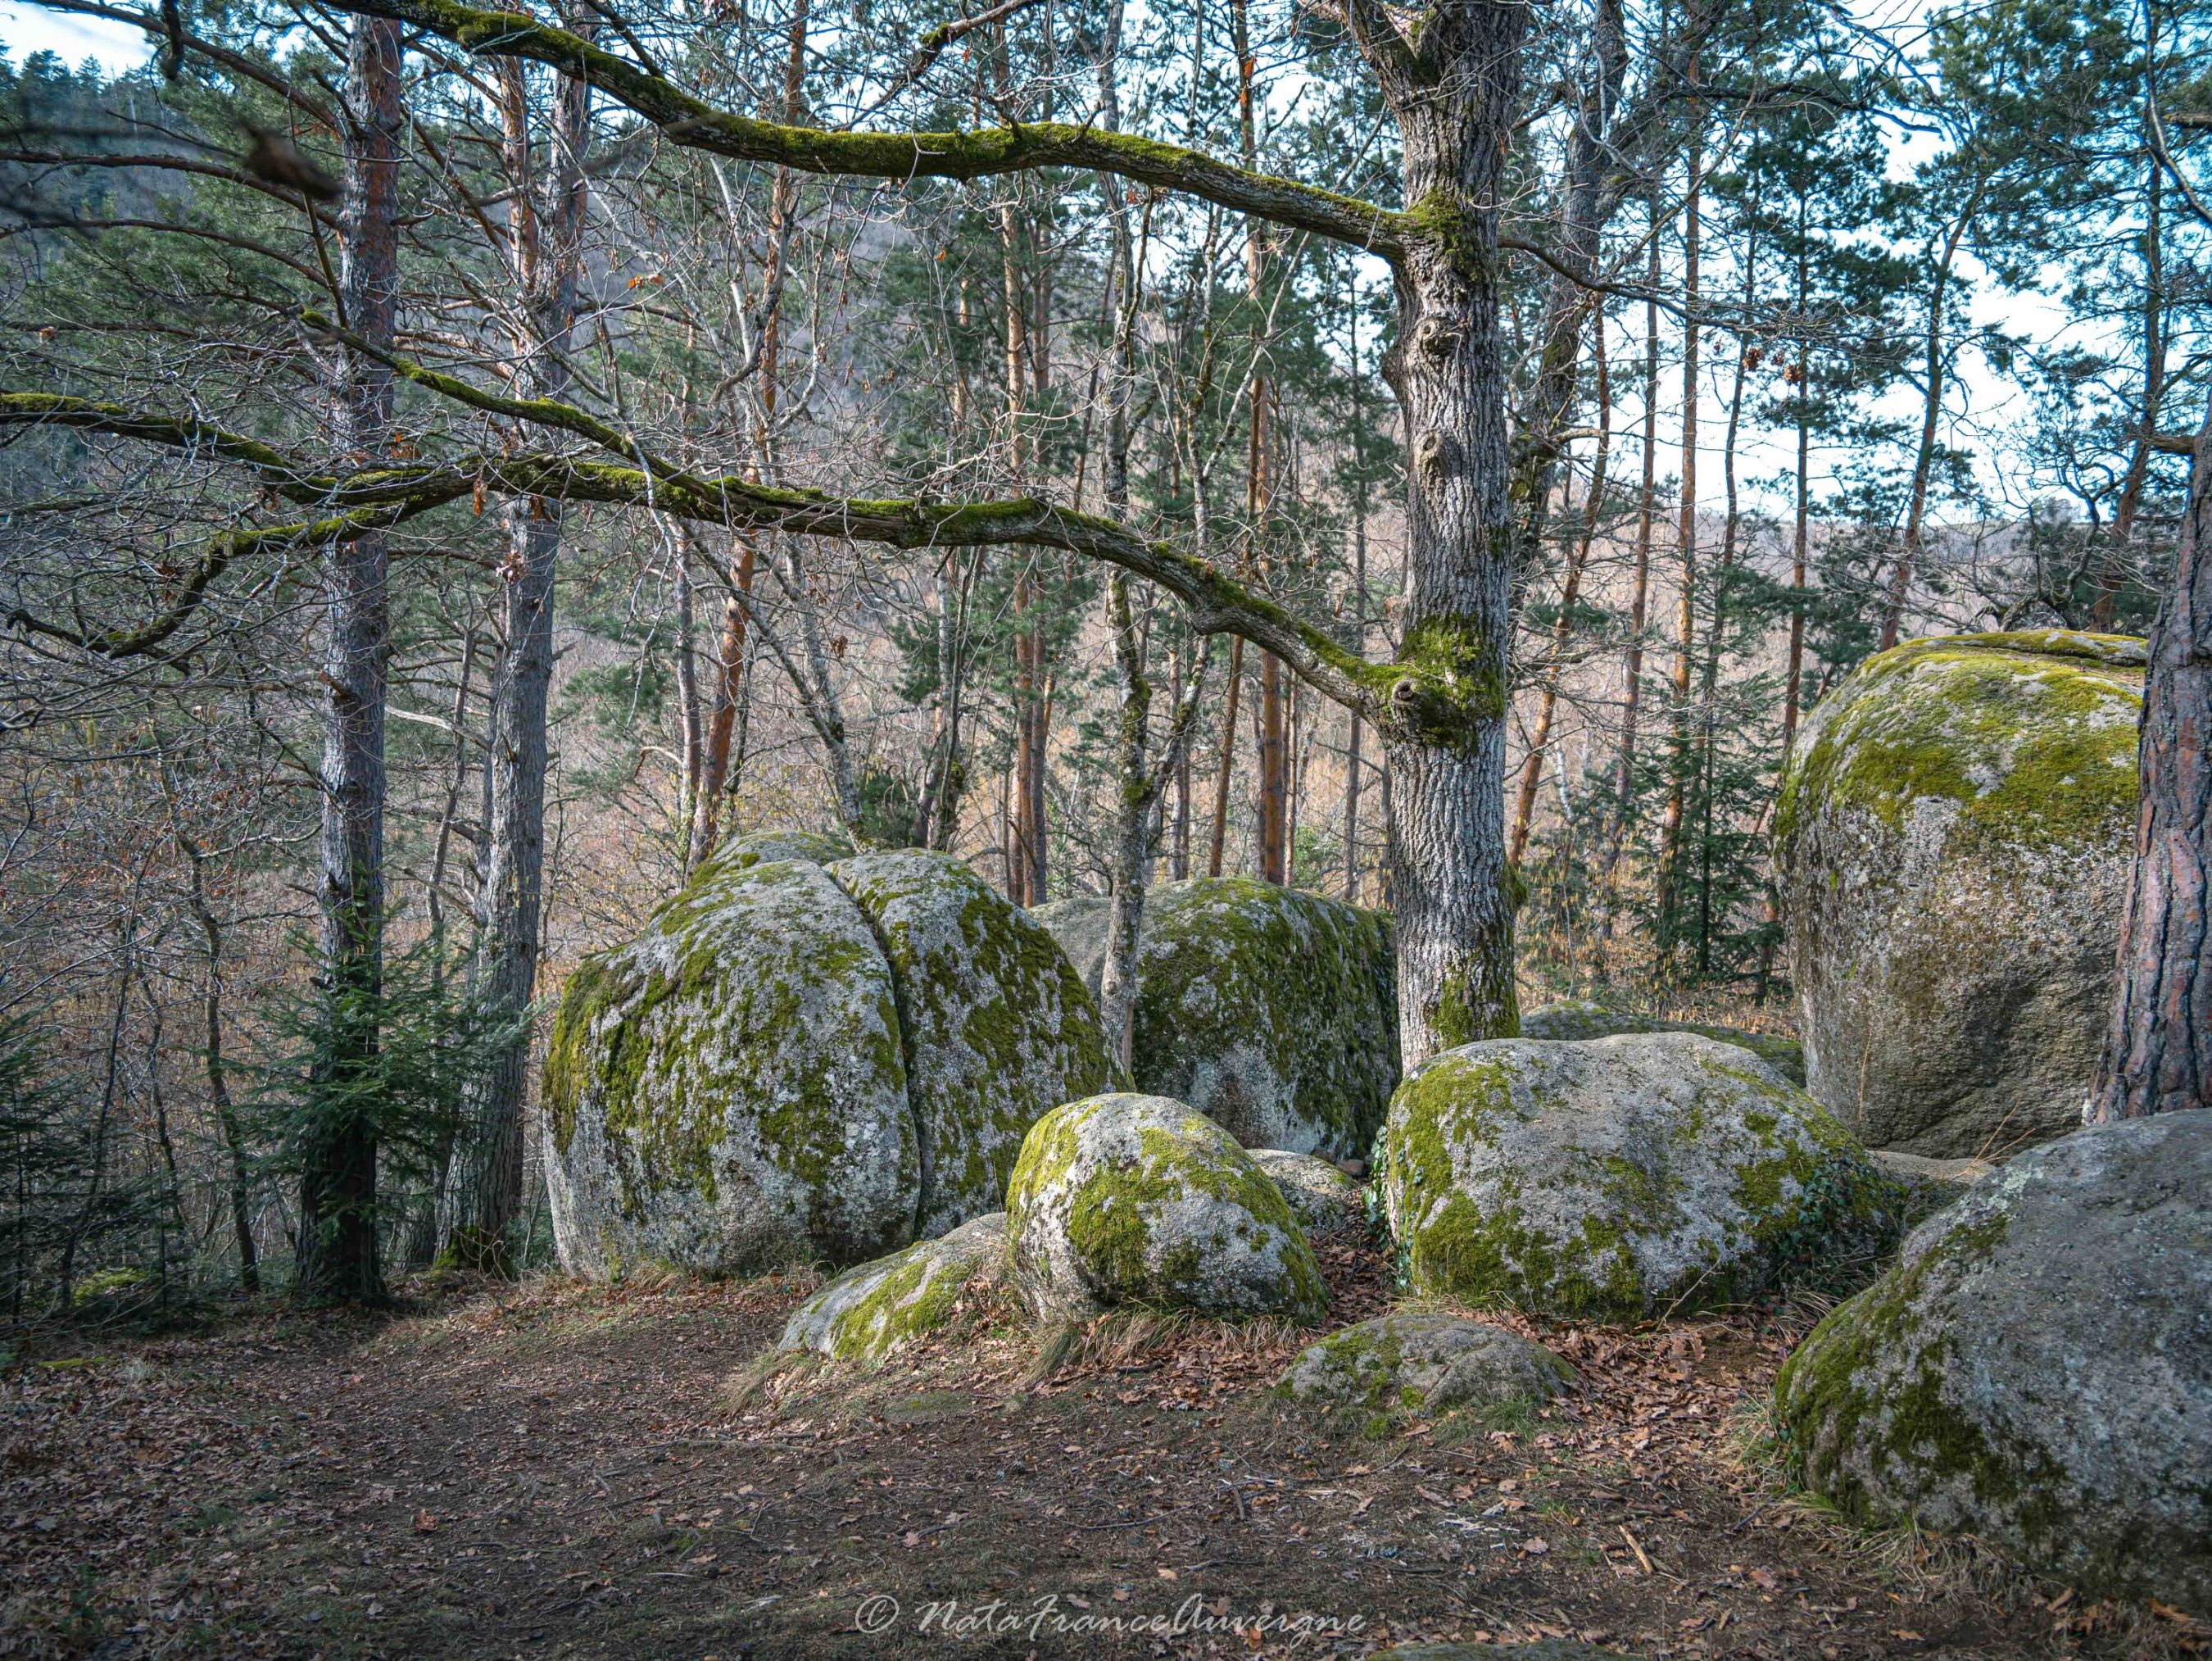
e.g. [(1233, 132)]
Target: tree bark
[(336, 1254), (1686, 535), (1540, 736), (2158, 1051), (1454, 97), (546, 238)]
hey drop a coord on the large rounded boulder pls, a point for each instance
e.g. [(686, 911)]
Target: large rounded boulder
[(801, 1063), (871, 1313), (2037, 1368), (996, 1029), (1127, 1200), (1953, 838), (1617, 1178), (1397, 1366), (1268, 1009)]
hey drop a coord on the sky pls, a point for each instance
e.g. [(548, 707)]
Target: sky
[(1984, 401)]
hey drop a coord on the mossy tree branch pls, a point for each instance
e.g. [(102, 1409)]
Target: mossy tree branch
[(985, 153), (390, 496)]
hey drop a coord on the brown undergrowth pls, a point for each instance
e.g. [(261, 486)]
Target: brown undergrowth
[(563, 1470)]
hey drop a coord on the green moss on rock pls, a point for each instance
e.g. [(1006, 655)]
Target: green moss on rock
[(1137, 1201), (1617, 1178), (1272, 1010), (1953, 833), (997, 1028), (726, 1092)]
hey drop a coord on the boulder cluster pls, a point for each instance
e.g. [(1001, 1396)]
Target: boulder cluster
[(876, 1061)]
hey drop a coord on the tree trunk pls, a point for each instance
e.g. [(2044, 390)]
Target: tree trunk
[(1923, 464), (336, 1254), (2122, 535), (1686, 535), (1624, 784), (547, 235), (1220, 842), (1540, 737), (2158, 1052), (1445, 736)]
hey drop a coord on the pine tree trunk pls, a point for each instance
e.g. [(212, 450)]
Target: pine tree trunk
[(336, 1256), (1624, 784), (2158, 1052), (486, 1194), (1678, 752)]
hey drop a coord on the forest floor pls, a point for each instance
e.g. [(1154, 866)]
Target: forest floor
[(563, 1470)]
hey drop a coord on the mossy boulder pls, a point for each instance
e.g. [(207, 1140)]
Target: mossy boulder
[(1128, 1201), (815, 846), (871, 1313), (2037, 1368), (1953, 838), (1272, 1011), (1584, 1018), (1320, 1197), (796, 1063), (1400, 1366), (1079, 923), (726, 1092), (1618, 1177), (997, 1029)]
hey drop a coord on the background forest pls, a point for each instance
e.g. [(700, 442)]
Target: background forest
[(1889, 324)]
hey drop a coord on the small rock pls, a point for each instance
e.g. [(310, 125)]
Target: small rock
[(1137, 1201), (1422, 1364), (871, 1313)]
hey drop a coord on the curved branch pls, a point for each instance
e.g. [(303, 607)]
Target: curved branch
[(982, 154), (391, 495)]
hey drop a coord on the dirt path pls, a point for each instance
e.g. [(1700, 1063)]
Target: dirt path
[(562, 1473)]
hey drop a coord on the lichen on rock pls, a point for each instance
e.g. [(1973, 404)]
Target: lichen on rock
[(873, 1311), (1396, 1366), (1952, 835), (997, 1030), (1270, 1009), (1618, 1177), (726, 1092), (1129, 1200), (1585, 1018), (2036, 1368), (1321, 1196)]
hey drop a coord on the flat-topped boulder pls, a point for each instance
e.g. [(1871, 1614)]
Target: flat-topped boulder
[(2036, 1368), (1267, 1008), (1400, 1366), (1952, 836), (1128, 1201), (796, 1063), (1618, 1177)]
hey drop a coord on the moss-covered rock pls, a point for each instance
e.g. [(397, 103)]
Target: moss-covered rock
[(2037, 1368), (1584, 1018), (726, 1092), (815, 846), (1952, 836), (997, 1028), (1272, 1011), (1400, 1366), (802, 1062), (1617, 1178), (1122, 1200), (1079, 923), (1320, 1197), (871, 1313)]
